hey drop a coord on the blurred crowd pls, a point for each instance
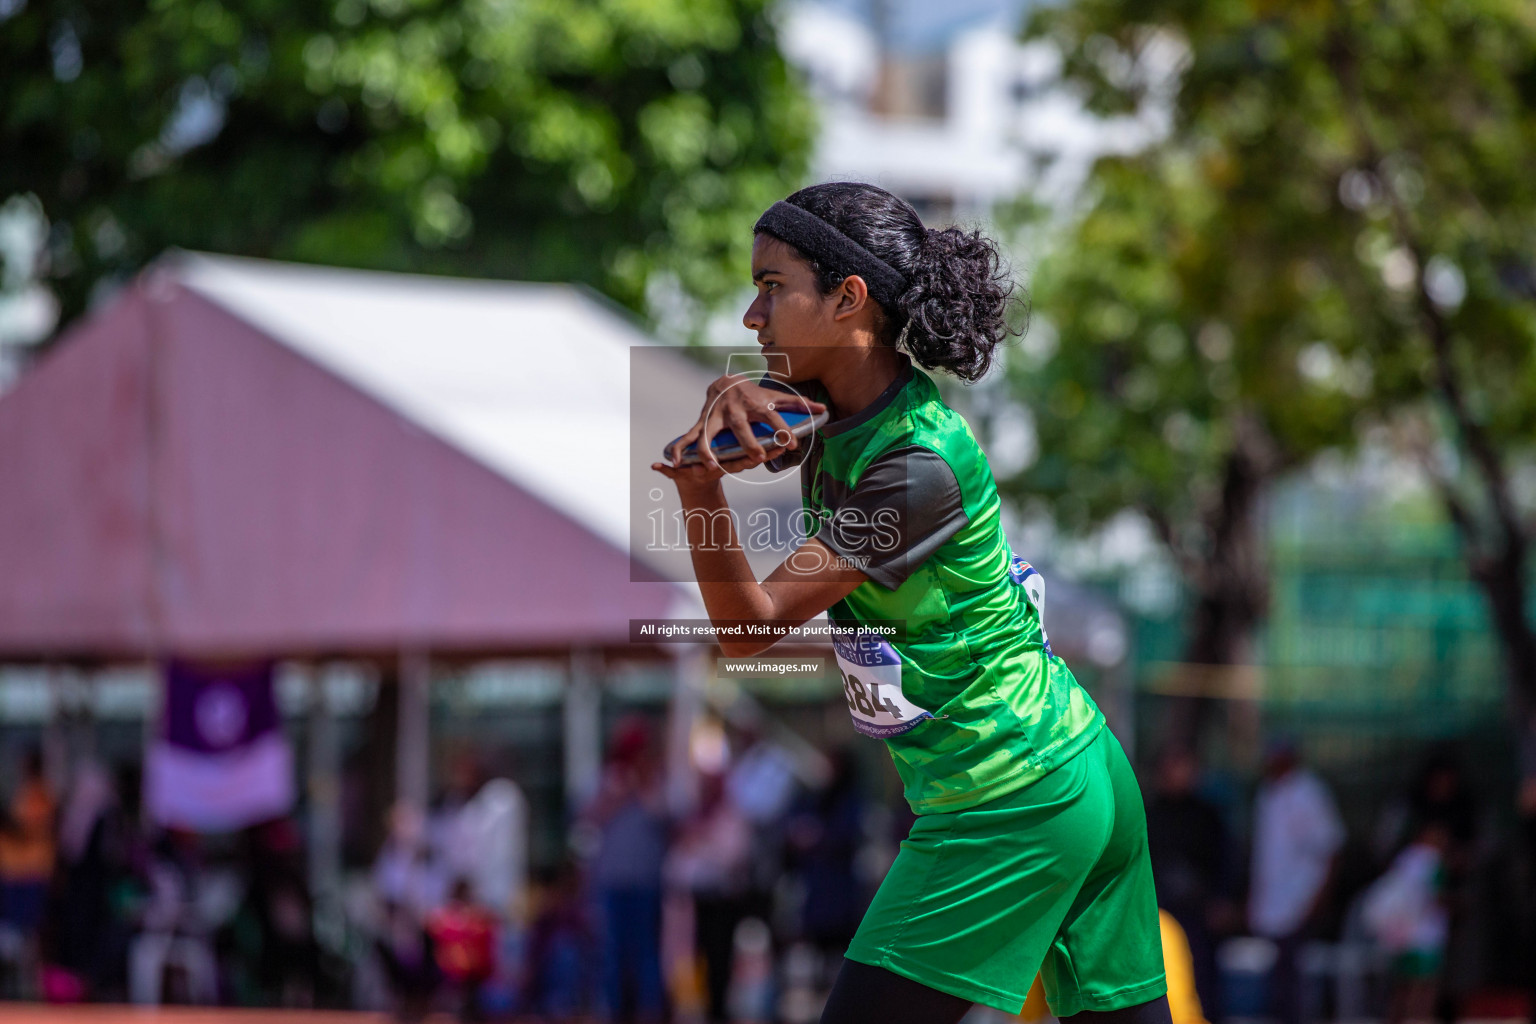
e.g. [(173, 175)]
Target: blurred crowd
[(1299, 931), (727, 898), (728, 895), (97, 906)]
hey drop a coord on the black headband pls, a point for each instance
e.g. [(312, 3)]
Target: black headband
[(820, 241)]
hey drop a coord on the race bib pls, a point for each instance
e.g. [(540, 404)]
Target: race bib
[(871, 671), (1028, 577)]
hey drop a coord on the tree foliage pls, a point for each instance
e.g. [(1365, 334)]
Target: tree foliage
[(602, 141), (1336, 231)]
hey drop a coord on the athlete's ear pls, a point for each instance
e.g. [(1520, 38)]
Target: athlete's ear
[(852, 297)]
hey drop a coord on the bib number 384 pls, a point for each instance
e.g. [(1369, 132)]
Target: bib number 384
[(871, 671)]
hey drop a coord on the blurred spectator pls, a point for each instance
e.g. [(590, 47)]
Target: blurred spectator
[(95, 884), (761, 780), (410, 966), (1441, 798), (712, 862), (26, 859), (825, 834), (405, 872), (629, 820), (761, 785), (481, 834), (175, 939), (278, 911), (1297, 835), (1404, 912), (408, 885), (559, 948), (1189, 847), (464, 942)]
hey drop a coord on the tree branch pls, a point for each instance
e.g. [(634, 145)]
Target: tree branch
[(1190, 567), (1478, 563), (1447, 382)]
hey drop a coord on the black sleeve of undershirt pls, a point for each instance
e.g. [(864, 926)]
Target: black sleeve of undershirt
[(904, 507)]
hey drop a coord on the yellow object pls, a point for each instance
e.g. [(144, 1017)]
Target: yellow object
[(1178, 964), (1034, 1006), (1183, 1000)]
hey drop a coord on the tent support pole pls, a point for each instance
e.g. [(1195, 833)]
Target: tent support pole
[(55, 740), (413, 736), (324, 785), (154, 712), (583, 721), (691, 667)]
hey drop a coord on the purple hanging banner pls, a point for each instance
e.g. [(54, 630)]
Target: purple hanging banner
[(221, 761)]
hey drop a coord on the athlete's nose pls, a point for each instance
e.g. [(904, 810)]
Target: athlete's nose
[(755, 319)]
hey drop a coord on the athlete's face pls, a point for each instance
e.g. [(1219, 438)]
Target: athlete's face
[(790, 314)]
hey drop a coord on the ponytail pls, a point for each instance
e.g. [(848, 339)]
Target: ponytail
[(955, 306), (948, 304)]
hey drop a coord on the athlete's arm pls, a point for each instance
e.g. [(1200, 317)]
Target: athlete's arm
[(811, 580)]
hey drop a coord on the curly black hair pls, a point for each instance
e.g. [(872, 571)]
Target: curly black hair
[(954, 310)]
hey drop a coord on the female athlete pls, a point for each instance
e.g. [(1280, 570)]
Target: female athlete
[(1029, 852)]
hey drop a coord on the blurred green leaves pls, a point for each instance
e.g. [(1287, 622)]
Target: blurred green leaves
[(603, 141), (1336, 232), (1327, 166)]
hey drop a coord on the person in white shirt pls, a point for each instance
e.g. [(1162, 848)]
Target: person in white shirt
[(489, 847), (1296, 840), (711, 861)]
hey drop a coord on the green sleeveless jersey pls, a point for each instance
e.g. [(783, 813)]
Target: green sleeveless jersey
[(967, 694)]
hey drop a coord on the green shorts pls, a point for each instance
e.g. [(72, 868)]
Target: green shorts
[(1052, 878)]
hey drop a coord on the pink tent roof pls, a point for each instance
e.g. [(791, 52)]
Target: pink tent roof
[(189, 471)]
